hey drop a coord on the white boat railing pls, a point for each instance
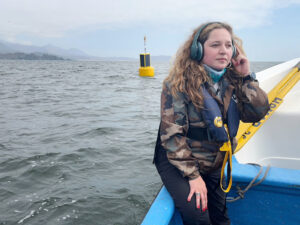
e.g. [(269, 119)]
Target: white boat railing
[(276, 143)]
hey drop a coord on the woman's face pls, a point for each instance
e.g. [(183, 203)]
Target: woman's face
[(218, 49)]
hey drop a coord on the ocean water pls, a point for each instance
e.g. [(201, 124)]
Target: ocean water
[(77, 140)]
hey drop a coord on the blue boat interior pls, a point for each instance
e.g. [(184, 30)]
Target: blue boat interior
[(276, 199)]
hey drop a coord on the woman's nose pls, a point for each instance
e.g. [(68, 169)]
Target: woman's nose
[(223, 49)]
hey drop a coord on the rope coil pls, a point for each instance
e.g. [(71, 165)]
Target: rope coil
[(240, 192)]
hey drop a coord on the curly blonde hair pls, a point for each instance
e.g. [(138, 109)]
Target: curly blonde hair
[(186, 75)]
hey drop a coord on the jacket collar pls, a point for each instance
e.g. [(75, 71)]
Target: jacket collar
[(226, 89)]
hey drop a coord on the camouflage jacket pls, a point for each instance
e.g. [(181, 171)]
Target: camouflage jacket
[(184, 134)]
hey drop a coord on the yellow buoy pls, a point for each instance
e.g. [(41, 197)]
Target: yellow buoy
[(145, 69)]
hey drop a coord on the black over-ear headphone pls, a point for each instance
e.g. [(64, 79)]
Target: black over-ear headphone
[(197, 48)]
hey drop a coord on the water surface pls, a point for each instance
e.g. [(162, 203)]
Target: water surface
[(77, 140)]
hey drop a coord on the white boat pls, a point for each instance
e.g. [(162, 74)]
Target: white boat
[(276, 144)]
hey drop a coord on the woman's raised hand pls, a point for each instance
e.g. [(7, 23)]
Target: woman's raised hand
[(198, 188), (241, 63)]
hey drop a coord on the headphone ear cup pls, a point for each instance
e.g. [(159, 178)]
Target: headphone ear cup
[(233, 50), (194, 51), (200, 51)]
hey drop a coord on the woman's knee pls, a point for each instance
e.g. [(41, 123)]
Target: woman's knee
[(193, 216), (179, 189)]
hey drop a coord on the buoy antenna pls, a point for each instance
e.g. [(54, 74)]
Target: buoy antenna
[(145, 38)]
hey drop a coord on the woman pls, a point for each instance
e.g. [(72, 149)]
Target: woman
[(210, 78)]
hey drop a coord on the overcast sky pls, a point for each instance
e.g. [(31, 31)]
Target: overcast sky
[(269, 28)]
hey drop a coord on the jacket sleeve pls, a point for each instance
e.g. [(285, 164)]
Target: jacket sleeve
[(252, 101), (173, 131)]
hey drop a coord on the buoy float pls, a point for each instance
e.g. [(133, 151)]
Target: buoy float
[(146, 70)]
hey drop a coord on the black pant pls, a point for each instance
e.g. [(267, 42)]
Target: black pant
[(179, 189)]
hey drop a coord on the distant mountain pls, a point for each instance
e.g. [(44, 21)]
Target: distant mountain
[(7, 47), (114, 59), (154, 58), (161, 58), (73, 53), (67, 53), (30, 56)]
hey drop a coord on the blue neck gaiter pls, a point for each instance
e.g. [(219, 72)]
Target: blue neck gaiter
[(214, 74)]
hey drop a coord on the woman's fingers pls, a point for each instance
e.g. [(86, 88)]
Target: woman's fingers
[(241, 64), (201, 199), (190, 196), (204, 201), (198, 197), (198, 188), (234, 62), (239, 61), (242, 61)]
